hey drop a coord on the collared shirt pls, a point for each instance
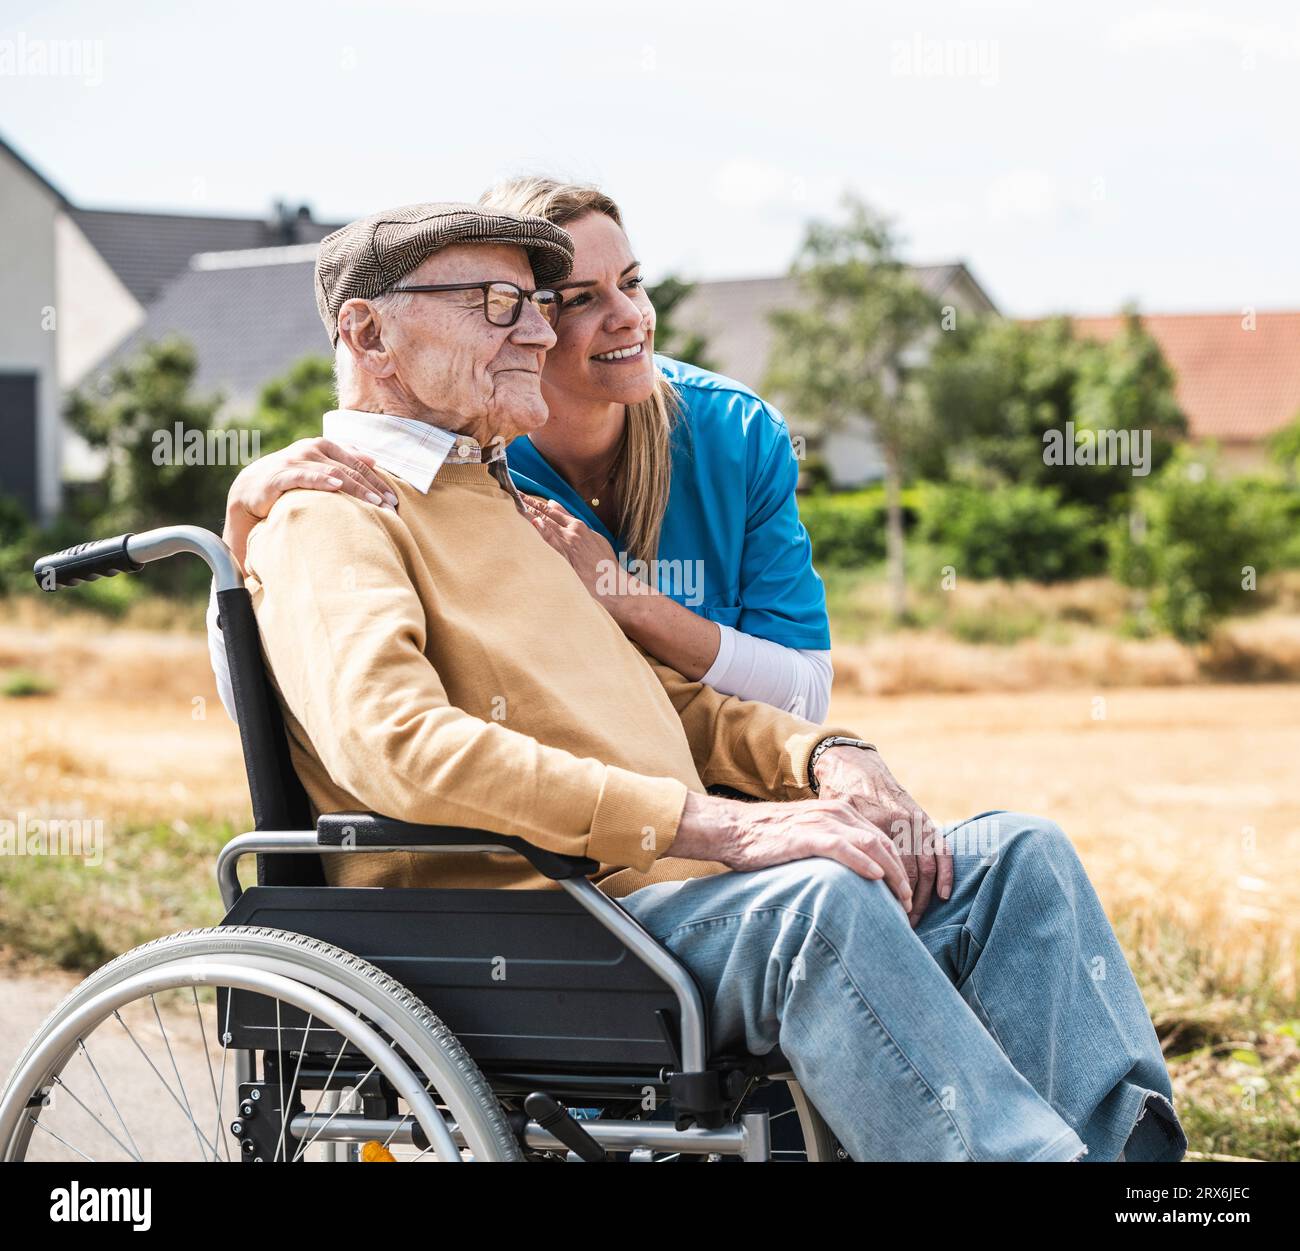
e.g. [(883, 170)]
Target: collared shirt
[(414, 450)]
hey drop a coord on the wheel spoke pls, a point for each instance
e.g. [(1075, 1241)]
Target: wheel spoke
[(180, 1081), (293, 1085), (72, 1094), (207, 1055), (85, 1051), (55, 1136), (158, 1075), (225, 1053), (311, 1141)]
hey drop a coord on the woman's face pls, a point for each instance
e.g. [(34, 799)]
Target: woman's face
[(606, 327)]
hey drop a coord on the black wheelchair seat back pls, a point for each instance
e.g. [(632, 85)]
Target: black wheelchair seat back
[(279, 801)]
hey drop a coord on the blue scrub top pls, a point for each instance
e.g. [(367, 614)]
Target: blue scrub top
[(731, 507)]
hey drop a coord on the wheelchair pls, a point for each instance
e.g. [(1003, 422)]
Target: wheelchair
[(322, 1022)]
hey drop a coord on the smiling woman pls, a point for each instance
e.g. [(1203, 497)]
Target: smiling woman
[(669, 489), (647, 459)]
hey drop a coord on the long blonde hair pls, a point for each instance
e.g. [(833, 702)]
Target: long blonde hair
[(644, 473)]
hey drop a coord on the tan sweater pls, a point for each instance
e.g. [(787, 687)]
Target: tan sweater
[(442, 664)]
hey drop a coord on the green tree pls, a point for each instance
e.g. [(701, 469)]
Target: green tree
[(999, 391), (852, 349), (1284, 445), (1199, 543), (671, 339), (162, 466), (291, 406)]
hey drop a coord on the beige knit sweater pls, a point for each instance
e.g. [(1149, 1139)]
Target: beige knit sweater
[(442, 664)]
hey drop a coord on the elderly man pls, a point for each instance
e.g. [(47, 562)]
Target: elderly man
[(439, 663)]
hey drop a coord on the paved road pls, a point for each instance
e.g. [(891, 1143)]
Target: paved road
[(158, 1127)]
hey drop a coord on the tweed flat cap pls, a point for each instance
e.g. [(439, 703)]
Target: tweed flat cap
[(364, 258)]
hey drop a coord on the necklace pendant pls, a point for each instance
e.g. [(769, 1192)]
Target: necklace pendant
[(595, 503)]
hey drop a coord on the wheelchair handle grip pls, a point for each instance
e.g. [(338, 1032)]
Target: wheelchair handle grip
[(86, 562), (129, 553)]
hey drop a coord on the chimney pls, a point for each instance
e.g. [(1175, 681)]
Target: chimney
[(287, 225)]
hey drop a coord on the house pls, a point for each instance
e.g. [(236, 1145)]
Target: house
[(1238, 374), (249, 314), (734, 318), (76, 283)]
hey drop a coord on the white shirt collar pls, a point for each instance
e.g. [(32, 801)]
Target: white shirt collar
[(411, 450)]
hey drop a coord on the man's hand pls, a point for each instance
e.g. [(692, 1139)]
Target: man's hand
[(862, 779), (755, 836)]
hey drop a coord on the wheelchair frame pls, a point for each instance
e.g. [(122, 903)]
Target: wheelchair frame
[(597, 962)]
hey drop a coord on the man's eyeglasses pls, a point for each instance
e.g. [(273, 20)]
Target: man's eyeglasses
[(502, 301)]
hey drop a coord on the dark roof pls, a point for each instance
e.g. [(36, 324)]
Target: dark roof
[(249, 316), (146, 250)]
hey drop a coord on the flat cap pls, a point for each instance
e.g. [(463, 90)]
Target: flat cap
[(366, 257)]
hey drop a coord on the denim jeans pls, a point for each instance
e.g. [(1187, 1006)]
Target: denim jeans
[(1006, 1026)]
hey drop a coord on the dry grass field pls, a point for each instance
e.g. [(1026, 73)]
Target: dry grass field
[(1182, 800)]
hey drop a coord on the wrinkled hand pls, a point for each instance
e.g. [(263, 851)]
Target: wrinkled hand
[(862, 779), (588, 552), (315, 464), (746, 836)]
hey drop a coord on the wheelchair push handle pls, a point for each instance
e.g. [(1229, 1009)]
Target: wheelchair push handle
[(129, 553), (86, 562)]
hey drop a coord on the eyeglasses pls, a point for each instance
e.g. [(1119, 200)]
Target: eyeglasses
[(502, 301)]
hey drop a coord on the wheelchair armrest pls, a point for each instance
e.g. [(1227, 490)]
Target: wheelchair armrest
[(366, 829)]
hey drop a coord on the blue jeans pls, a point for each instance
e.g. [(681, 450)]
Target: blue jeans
[(1006, 1026)]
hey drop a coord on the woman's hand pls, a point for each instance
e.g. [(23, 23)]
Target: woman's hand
[(590, 555), (315, 464)]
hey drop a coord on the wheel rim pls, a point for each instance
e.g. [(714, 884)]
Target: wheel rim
[(44, 1066)]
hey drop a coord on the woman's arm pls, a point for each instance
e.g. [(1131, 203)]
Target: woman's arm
[(316, 464), (797, 680), (794, 679), (310, 464), (675, 635)]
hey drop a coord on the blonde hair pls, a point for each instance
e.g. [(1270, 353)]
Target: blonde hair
[(644, 473)]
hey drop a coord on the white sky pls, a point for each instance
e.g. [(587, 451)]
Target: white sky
[(1073, 158)]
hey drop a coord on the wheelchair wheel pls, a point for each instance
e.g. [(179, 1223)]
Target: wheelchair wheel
[(139, 1063), (799, 1134)]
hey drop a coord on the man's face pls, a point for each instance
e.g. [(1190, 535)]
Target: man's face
[(453, 367)]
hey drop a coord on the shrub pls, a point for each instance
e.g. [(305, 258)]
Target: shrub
[(22, 683), (848, 527), (1200, 544), (16, 538), (1013, 532)]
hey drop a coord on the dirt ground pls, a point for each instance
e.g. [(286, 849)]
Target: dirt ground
[(1183, 801)]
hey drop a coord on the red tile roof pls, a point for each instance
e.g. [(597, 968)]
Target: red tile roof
[(1235, 385)]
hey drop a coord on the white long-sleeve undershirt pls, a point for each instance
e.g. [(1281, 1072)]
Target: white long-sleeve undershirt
[(794, 679)]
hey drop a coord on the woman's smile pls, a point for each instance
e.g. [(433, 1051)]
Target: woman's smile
[(618, 356)]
